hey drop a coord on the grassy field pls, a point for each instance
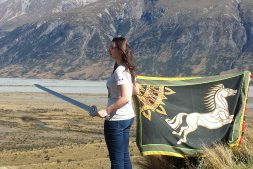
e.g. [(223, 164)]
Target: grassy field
[(40, 131)]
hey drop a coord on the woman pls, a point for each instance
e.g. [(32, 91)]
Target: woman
[(121, 86)]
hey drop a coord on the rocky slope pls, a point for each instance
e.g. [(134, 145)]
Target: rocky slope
[(13, 12), (169, 38)]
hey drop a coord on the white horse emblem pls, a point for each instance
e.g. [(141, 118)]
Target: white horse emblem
[(217, 116)]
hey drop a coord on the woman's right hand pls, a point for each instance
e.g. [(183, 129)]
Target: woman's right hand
[(102, 113)]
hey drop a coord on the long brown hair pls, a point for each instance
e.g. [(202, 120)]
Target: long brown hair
[(126, 56)]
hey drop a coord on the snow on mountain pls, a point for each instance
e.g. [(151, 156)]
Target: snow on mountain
[(21, 11)]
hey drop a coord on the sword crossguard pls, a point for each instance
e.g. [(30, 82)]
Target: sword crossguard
[(94, 111)]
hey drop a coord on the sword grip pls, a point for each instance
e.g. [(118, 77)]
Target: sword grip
[(93, 112), (107, 117)]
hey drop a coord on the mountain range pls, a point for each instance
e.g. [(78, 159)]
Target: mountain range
[(68, 39)]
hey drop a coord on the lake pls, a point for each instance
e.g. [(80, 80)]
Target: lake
[(62, 86)]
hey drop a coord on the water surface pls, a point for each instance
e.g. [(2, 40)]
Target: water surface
[(62, 86)]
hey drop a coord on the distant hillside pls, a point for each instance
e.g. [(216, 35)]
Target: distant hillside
[(169, 38), (18, 12)]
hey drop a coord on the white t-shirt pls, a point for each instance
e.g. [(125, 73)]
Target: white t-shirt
[(121, 76)]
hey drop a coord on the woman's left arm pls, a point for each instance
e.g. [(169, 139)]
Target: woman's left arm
[(136, 89), (123, 100)]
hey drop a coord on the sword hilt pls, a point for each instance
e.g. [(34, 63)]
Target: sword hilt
[(94, 111), (107, 117)]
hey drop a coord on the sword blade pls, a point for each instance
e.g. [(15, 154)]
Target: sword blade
[(65, 98)]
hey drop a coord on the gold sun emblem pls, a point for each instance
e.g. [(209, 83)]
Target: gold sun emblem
[(151, 99)]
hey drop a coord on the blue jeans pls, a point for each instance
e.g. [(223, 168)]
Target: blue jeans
[(117, 141)]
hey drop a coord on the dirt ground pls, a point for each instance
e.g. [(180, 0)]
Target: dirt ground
[(40, 131)]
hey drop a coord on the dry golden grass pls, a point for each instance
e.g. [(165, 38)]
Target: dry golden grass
[(241, 157), (39, 131), (168, 162)]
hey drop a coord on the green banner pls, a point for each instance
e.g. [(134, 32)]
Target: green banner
[(180, 116)]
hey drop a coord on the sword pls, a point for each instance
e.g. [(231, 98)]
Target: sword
[(91, 109)]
